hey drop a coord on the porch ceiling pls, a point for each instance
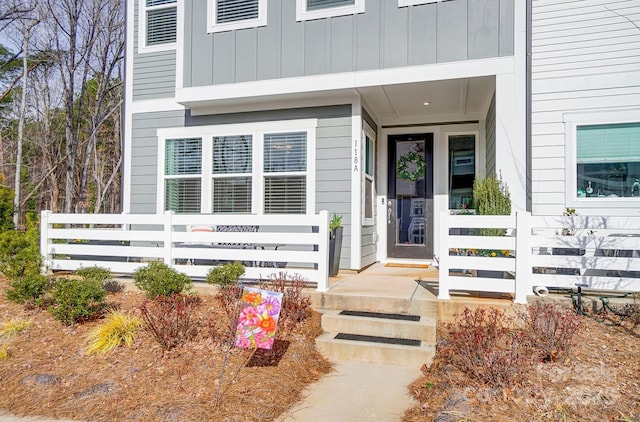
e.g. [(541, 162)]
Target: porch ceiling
[(466, 98)]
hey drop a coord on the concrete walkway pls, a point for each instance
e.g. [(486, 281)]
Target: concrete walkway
[(357, 391)]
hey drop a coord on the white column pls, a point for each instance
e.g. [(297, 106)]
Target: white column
[(356, 183)]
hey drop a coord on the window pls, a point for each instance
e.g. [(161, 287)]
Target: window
[(402, 3), (608, 160), (317, 9), (157, 24), (462, 170), (227, 15), (603, 159), (182, 169), (232, 170), (368, 163), (285, 165), (249, 168)]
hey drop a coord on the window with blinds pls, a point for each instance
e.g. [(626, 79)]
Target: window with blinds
[(183, 161), (161, 22), (318, 9), (327, 4), (608, 160), (228, 15), (236, 10), (284, 154), (369, 160), (232, 174)]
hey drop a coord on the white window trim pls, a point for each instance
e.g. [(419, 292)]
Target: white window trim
[(571, 122), (142, 28), (367, 132), (303, 15), (257, 131), (212, 26), (402, 3)]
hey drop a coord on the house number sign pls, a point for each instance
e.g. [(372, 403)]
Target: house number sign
[(355, 155)]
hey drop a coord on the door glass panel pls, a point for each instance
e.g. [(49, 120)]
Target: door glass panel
[(410, 193), (462, 170)]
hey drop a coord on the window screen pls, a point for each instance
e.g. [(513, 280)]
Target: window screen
[(236, 10), (183, 156), (182, 195), (285, 194), (285, 152)]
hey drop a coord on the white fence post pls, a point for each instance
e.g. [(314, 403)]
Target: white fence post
[(168, 237), (443, 271), (323, 251), (44, 240), (523, 256)]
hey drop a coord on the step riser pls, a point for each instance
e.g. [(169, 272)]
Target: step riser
[(387, 354), (424, 330), (362, 303)]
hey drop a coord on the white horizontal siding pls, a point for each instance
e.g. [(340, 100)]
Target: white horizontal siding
[(585, 57)]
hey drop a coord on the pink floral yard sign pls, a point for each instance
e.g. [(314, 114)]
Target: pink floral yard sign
[(258, 318)]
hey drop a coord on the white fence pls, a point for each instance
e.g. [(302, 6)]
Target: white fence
[(296, 244), (552, 252)]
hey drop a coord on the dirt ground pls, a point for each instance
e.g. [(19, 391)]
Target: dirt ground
[(48, 372), (599, 381)]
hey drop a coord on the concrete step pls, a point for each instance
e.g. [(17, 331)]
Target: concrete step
[(375, 352), (362, 301), (424, 329)]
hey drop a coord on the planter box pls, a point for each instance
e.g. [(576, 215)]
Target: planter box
[(335, 248)]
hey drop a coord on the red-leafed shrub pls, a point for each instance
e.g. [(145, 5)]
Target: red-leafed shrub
[(169, 318)]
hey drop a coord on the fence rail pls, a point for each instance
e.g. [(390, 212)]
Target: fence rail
[(552, 252), (296, 244)]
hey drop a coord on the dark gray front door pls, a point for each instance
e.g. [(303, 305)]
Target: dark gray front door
[(410, 196)]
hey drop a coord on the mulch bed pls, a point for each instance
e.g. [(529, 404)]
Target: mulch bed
[(48, 372), (598, 381)]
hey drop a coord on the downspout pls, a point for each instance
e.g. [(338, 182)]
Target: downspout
[(529, 183)]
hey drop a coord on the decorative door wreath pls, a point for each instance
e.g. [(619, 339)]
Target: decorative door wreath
[(402, 166)]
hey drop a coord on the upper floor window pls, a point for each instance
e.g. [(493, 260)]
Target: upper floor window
[(415, 2), (227, 15), (158, 25), (317, 9), (603, 163)]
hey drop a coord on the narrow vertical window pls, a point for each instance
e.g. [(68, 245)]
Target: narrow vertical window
[(285, 173), (183, 169)]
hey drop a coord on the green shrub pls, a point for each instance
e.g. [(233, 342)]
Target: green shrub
[(28, 289), (20, 252), (100, 274), (491, 197), (6, 208), (158, 279), (77, 300), (226, 274)]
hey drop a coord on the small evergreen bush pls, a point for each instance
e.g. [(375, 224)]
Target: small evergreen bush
[(117, 329), (158, 279), (491, 197), (20, 252), (168, 318), (28, 290), (225, 275), (100, 274), (6, 208), (77, 300)]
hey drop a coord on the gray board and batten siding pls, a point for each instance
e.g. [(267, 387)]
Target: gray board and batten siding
[(333, 156), (384, 36)]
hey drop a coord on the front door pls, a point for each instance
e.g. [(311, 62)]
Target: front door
[(410, 197)]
